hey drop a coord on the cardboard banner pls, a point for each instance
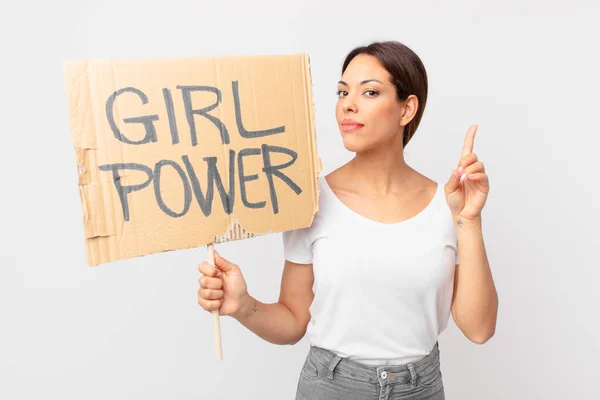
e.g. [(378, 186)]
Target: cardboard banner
[(179, 153)]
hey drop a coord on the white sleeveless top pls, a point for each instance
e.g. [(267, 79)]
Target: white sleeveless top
[(382, 291)]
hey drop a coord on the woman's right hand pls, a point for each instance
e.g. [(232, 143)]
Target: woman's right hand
[(223, 287)]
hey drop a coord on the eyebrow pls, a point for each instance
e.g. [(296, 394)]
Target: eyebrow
[(361, 82)]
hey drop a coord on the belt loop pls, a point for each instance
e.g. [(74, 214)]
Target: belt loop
[(413, 375), (332, 366)]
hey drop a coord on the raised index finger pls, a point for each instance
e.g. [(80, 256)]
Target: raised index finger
[(469, 139)]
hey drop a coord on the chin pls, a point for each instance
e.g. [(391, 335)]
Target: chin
[(356, 143)]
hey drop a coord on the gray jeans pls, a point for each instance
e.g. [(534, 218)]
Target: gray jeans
[(326, 376)]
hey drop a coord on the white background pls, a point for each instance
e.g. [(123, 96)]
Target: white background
[(526, 72)]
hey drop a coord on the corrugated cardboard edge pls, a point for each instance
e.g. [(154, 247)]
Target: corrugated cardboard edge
[(235, 232), (83, 132), (316, 160)]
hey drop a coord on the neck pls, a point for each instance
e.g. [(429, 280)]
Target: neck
[(381, 170)]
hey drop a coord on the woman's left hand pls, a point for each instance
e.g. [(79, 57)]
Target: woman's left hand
[(466, 197)]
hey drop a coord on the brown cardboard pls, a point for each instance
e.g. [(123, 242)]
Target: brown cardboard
[(260, 103)]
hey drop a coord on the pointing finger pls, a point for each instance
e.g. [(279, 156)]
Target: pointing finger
[(469, 139)]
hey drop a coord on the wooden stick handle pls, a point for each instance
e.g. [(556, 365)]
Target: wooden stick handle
[(215, 313)]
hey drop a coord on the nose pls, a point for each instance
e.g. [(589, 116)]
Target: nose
[(349, 104)]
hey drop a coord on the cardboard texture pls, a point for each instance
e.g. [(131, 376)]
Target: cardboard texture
[(179, 153)]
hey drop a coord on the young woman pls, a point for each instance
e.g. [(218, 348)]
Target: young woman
[(373, 280)]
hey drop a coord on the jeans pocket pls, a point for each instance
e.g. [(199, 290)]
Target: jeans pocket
[(312, 369), (431, 378)]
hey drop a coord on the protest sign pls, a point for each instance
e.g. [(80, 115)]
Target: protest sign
[(183, 152)]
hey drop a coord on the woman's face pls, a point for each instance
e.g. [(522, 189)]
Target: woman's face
[(368, 112)]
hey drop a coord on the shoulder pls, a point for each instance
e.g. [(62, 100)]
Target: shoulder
[(338, 181), (431, 188), (426, 185)]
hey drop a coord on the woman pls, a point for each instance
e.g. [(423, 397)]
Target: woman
[(373, 280)]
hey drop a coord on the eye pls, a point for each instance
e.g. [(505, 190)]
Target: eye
[(372, 93), (341, 92)]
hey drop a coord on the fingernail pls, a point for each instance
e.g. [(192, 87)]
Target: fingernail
[(460, 170), (219, 274), (463, 176)]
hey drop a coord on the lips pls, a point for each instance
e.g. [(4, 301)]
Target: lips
[(349, 125)]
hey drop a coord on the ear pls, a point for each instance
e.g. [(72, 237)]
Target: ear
[(411, 105)]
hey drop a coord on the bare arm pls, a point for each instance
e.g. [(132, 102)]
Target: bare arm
[(283, 322), (475, 300)]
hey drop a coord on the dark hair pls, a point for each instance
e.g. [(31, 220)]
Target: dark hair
[(407, 74)]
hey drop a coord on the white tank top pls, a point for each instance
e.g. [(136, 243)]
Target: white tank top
[(382, 291)]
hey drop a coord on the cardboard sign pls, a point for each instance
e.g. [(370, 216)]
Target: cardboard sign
[(179, 153)]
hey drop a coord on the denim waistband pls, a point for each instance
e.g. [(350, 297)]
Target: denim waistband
[(403, 373)]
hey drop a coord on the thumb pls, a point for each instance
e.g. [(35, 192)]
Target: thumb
[(223, 264), (453, 182)]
